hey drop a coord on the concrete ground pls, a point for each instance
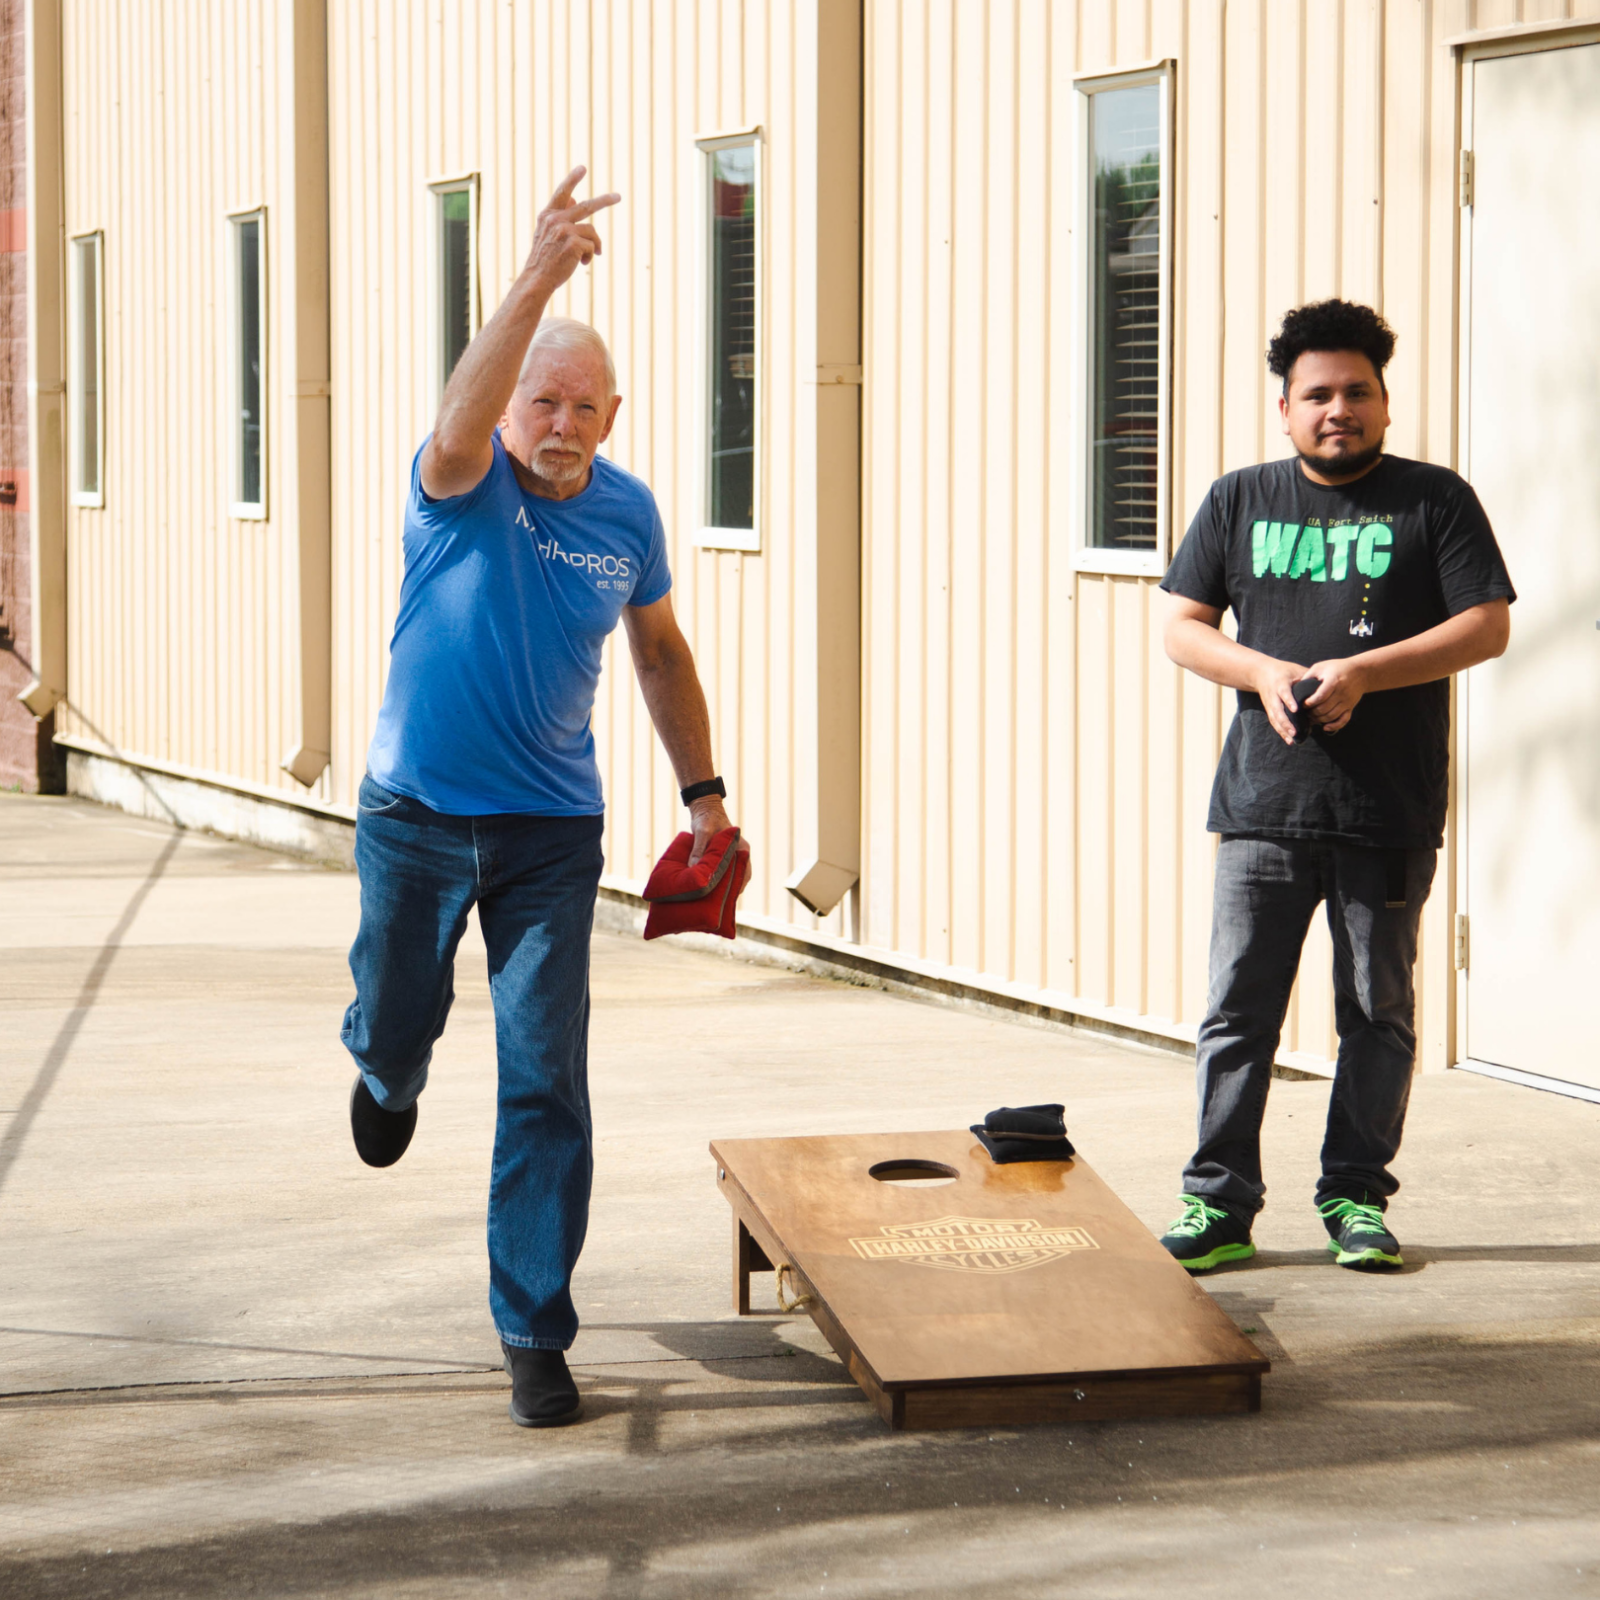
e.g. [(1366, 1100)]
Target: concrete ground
[(234, 1362)]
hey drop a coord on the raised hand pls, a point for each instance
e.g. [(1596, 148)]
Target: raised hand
[(563, 238), (461, 451)]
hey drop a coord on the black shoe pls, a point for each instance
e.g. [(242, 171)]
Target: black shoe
[(1205, 1236), (1357, 1235), (381, 1136), (543, 1394)]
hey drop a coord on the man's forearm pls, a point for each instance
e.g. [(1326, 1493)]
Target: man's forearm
[(475, 399), (677, 707), (1461, 642), (1195, 641), (664, 665), (486, 375), (1454, 645), (1205, 650)]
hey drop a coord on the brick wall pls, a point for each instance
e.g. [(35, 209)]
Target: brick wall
[(26, 755)]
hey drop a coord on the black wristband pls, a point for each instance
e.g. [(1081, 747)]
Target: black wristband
[(698, 791)]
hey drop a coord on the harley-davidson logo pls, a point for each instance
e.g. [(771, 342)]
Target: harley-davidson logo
[(973, 1244)]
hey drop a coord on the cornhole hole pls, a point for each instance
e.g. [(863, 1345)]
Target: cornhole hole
[(960, 1293)]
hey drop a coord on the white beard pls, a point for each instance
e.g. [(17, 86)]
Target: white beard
[(556, 466)]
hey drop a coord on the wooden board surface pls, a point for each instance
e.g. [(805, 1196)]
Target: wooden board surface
[(1025, 1273)]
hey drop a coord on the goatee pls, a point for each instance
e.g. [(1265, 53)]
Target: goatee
[(556, 466), (1347, 466)]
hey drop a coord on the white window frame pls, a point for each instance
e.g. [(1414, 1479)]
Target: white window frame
[(240, 509), (1087, 557), (464, 183), (95, 243), (707, 536)]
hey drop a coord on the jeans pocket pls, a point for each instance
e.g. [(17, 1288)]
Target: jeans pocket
[(373, 800)]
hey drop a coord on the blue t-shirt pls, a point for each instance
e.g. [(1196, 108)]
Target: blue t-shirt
[(506, 601)]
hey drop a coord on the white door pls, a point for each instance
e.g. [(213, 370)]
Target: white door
[(1531, 447)]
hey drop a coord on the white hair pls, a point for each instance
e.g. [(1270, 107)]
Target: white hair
[(567, 333)]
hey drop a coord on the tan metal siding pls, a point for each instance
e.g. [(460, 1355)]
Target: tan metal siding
[(182, 620), (518, 93), (1037, 772)]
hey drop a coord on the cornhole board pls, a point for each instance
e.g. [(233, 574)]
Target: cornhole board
[(1018, 1293)]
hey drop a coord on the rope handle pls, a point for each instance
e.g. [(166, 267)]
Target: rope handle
[(800, 1300)]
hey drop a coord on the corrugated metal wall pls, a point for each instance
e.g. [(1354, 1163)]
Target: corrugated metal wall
[(1037, 773), (182, 620), (519, 93)]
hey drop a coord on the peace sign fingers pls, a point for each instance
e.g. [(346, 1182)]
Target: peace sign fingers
[(564, 239)]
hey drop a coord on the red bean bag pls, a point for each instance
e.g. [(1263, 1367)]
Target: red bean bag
[(701, 898)]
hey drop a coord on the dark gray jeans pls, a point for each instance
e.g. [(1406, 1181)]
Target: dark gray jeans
[(1266, 893)]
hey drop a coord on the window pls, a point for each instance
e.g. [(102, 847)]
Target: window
[(86, 417), (1128, 300), (455, 250), (731, 347), (250, 364)]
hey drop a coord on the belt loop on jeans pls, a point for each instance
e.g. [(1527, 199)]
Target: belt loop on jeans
[(1394, 879)]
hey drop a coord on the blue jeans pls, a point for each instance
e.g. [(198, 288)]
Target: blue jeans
[(1266, 893), (534, 881)]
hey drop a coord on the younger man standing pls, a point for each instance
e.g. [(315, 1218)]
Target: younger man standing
[(1376, 577)]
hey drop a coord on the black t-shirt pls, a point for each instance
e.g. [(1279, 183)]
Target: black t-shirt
[(1316, 572)]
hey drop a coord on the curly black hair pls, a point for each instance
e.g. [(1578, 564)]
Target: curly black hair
[(1330, 325)]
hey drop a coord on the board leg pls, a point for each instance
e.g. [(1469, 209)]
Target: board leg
[(741, 1268), (748, 1257)]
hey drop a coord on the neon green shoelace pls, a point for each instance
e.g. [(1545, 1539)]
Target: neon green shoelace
[(1353, 1215), (1197, 1217)]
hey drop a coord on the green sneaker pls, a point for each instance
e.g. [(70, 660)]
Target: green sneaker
[(1357, 1236), (1205, 1236)]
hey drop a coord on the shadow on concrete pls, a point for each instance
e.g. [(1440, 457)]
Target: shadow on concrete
[(816, 1464), (1504, 1252), (1415, 1261), (1250, 1313), (440, 1363), (747, 1339), (110, 747), (1418, 1256), (721, 1348), (16, 1133)]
